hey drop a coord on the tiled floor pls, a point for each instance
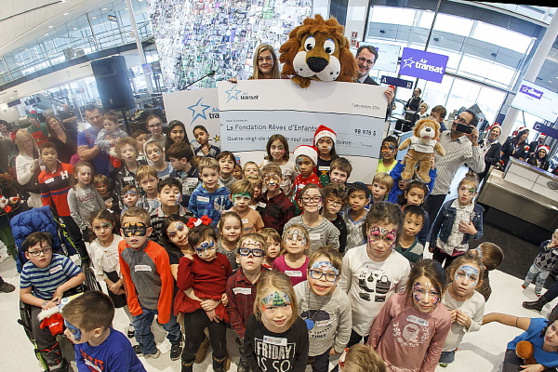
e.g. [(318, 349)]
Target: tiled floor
[(481, 351)]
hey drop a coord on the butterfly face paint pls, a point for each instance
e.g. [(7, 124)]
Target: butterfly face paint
[(204, 247), (134, 229), (74, 331), (295, 236), (425, 294), (275, 300), (377, 233), (467, 275)]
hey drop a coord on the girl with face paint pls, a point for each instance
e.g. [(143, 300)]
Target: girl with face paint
[(465, 304), (277, 149), (411, 327), (294, 259), (276, 338), (324, 141)]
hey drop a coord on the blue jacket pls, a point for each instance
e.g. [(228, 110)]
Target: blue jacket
[(444, 222), (209, 204), (396, 175)]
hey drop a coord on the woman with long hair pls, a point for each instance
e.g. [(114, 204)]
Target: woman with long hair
[(28, 167), (66, 143)]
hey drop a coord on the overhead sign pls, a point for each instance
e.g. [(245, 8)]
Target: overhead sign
[(537, 101), (545, 129), (423, 65), (388, 80)]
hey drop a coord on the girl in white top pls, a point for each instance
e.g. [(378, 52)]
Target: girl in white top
[(103, 251), (28, 166), (278, 153), (465, 304)]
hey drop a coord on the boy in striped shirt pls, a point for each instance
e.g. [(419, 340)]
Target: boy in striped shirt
[(43, 281)]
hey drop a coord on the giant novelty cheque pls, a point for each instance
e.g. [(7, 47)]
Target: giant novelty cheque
[(253, 110)]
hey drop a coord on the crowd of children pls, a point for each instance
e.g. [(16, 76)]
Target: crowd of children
[(304, 266)]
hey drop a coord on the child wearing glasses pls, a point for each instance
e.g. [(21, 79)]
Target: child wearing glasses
[(241, 288), (148, 283), (205, 275), (325, 308), (44, 279), (320, 230)]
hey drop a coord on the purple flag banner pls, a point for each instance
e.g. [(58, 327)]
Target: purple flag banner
[(423, 65)]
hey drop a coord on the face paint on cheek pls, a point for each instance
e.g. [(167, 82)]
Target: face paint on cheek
[(75, 331), (275, 299), (295, 234), (203, 247), (134, 229), (324, 266), (471, 273)]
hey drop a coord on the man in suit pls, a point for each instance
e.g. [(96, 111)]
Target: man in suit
[(366, 57)]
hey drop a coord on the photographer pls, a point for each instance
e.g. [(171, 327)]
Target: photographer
[(462, 147)]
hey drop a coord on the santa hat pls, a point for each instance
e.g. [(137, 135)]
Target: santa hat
[(324, 131), (545, 148), (521, 129), (306, 150), (495, 125)]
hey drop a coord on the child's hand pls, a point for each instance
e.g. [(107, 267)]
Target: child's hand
[(532, 368), (224, 300), (431, 248), (209, 304), (432, 162), (453, 314), (407, 156), (108, 203), (212, 316), (463, 319), (467, 227), (57, 295), (332, 352), (232, 80), (49, 304)]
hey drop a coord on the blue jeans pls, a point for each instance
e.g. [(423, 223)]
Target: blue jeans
[(541, 278), (320, 363), (144, 336), (447, 357)]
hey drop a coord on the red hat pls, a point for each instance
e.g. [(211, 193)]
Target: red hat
[(306, 150), (494, 126), (545, 148), (324, 131), (521, 129)]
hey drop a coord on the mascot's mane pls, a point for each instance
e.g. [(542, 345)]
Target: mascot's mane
[(312, 26)]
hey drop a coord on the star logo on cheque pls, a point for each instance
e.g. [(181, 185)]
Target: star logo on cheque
[(408, 62), (198, 110), (233, 93)]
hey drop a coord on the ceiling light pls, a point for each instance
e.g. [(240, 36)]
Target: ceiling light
[(46, 34), (66, 13), (93, 17), (75, 28), (50, 26), (104, 9)]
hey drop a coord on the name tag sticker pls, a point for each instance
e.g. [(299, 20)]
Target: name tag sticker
[(128, 179), (245, 220), (50, 180), (324, 168), (314, 236), (140, 268), (203, 199), (294, 273), (279, 341), (262, 204), (241, 290), (55, 269), (416, 320)]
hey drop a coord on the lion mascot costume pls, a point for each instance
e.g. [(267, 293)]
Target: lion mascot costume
[(422, 146), (317, 50)]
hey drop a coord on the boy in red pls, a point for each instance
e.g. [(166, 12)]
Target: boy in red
[(54, 184), (148, 283), (241, 288), (306, 158), (204, 278)]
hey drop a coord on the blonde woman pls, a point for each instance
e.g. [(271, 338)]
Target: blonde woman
[(27, 166)]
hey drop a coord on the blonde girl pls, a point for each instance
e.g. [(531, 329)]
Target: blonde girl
[(27, 165), (464, 303), (277, 149), (411, 327), (230, 231), (275, 322), (294, 259), (251, 170), (459, 221), (83, 197)]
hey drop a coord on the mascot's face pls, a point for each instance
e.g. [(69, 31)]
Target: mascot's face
[(427, 130), (318, 56)]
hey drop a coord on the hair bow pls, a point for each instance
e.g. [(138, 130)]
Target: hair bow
[(203, 220)]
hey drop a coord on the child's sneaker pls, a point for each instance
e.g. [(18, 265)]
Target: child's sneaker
[(131, 331), (176, 351), (523, 286), (539, 294), (137, 349)]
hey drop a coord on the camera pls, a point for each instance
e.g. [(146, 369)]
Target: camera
[(462, 128)]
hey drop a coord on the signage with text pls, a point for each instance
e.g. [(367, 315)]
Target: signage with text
[(423, 65)]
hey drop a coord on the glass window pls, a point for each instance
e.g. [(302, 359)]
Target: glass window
[(453, 25), (501, 37), (396, 16)]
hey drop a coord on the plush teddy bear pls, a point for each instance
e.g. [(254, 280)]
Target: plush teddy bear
[(526, 351), (422, 146), (317, 50)]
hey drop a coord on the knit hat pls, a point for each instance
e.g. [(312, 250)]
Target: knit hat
[(324, 131), (545, 148), (306, 150)]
